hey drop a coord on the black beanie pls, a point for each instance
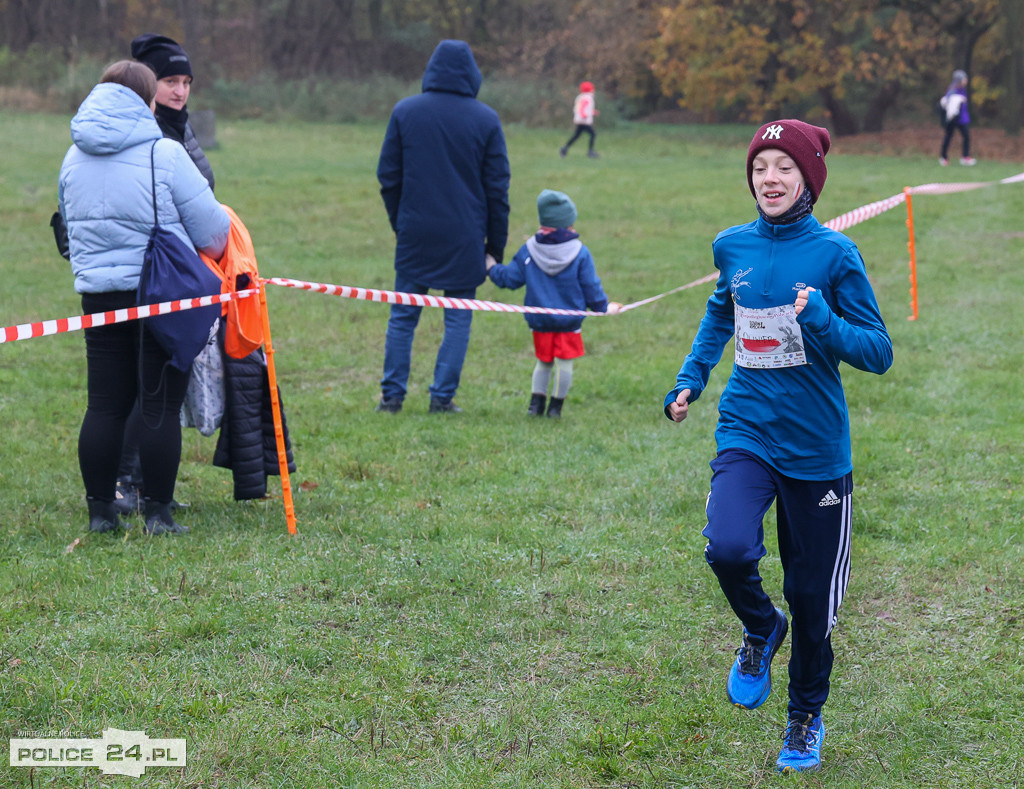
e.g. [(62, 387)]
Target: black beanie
[(164, 55)]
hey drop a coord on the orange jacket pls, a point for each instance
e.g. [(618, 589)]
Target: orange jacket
[(239, 271)]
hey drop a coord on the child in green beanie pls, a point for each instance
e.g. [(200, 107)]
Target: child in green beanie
[(558, 272)]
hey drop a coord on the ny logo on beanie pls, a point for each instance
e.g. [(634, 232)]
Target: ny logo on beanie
[(804, 143)]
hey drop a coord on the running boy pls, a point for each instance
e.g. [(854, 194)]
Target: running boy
[(558, 272), (797, 298)]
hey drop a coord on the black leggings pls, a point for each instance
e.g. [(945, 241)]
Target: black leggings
[(580, 129), (964, 133), (113, 357)]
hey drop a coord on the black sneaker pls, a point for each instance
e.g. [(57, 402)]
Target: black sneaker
[(555, 407), (443, 407), (537, 402), (389, 405)]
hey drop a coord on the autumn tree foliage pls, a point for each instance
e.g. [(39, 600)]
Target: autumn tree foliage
[(849, 61), (597, 40)]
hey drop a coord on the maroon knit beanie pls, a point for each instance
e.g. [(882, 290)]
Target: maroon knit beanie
[(805, 144)]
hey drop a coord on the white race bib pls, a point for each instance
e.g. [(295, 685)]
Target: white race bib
[(769, 338)]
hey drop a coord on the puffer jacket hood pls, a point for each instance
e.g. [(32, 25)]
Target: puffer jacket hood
[(119, 166), (111, 119), (452, 69)]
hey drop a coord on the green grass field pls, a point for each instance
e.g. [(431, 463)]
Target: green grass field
[(485, 600)]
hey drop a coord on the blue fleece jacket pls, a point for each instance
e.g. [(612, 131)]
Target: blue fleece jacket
[(793, 417), (561, 276), (105, 192), (444, 176)]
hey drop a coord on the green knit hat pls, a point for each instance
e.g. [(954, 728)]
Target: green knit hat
[(555, 209)]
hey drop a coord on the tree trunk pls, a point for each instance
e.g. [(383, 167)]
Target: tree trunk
[(880, 104), (843, 122), (1014, 20), (191, 24)]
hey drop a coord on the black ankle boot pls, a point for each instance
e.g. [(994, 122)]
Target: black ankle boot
[(159, 519), (536, 405), (102, 516), (126, 497), (555, 407)]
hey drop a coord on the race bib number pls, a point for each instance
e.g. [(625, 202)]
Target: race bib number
[(769, 338)]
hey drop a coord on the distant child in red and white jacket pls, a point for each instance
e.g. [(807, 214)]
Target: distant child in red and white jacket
[(559, 273), (583, 113)]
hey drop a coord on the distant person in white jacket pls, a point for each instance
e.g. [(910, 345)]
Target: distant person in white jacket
[(957, 117), (583, 113)]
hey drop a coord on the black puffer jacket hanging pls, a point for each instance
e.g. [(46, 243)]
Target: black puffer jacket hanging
[(246, 443)]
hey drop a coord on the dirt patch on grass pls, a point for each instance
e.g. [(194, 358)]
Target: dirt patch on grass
[(992, 144), (923, 139)]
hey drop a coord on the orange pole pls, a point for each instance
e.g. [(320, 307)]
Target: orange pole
[(275, 404), (913, 255)]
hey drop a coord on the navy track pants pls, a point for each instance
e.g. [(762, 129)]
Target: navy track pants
[(813, 520)]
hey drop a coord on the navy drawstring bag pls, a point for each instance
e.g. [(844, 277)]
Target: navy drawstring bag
[(173, 270)]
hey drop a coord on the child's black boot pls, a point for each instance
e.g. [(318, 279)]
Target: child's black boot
[(555, 407), (102, 516), (536, 405), (159, 519)]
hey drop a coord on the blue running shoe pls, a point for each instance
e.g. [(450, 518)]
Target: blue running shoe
[(801, 744), (750, 678)]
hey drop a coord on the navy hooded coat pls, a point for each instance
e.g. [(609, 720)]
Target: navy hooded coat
[(444, 176)]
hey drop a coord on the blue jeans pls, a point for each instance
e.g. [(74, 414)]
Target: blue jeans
[(398, 344)]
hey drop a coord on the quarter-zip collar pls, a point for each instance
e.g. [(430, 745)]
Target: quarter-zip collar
[(777, 233), (780, 232)]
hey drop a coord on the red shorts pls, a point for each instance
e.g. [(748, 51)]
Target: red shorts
[(551, 345)]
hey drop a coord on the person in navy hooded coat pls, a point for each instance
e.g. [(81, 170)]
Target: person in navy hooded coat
[(444, 178)]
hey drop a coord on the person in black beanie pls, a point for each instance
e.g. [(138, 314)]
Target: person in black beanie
[(173, 69)]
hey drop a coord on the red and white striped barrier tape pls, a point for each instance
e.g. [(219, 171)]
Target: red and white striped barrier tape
[(950, 188), (858, 215), (865, 212), (426, 300), (27, 331), (695, 283)]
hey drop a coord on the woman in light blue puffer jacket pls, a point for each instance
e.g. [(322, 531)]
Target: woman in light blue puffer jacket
[(105, 193)]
